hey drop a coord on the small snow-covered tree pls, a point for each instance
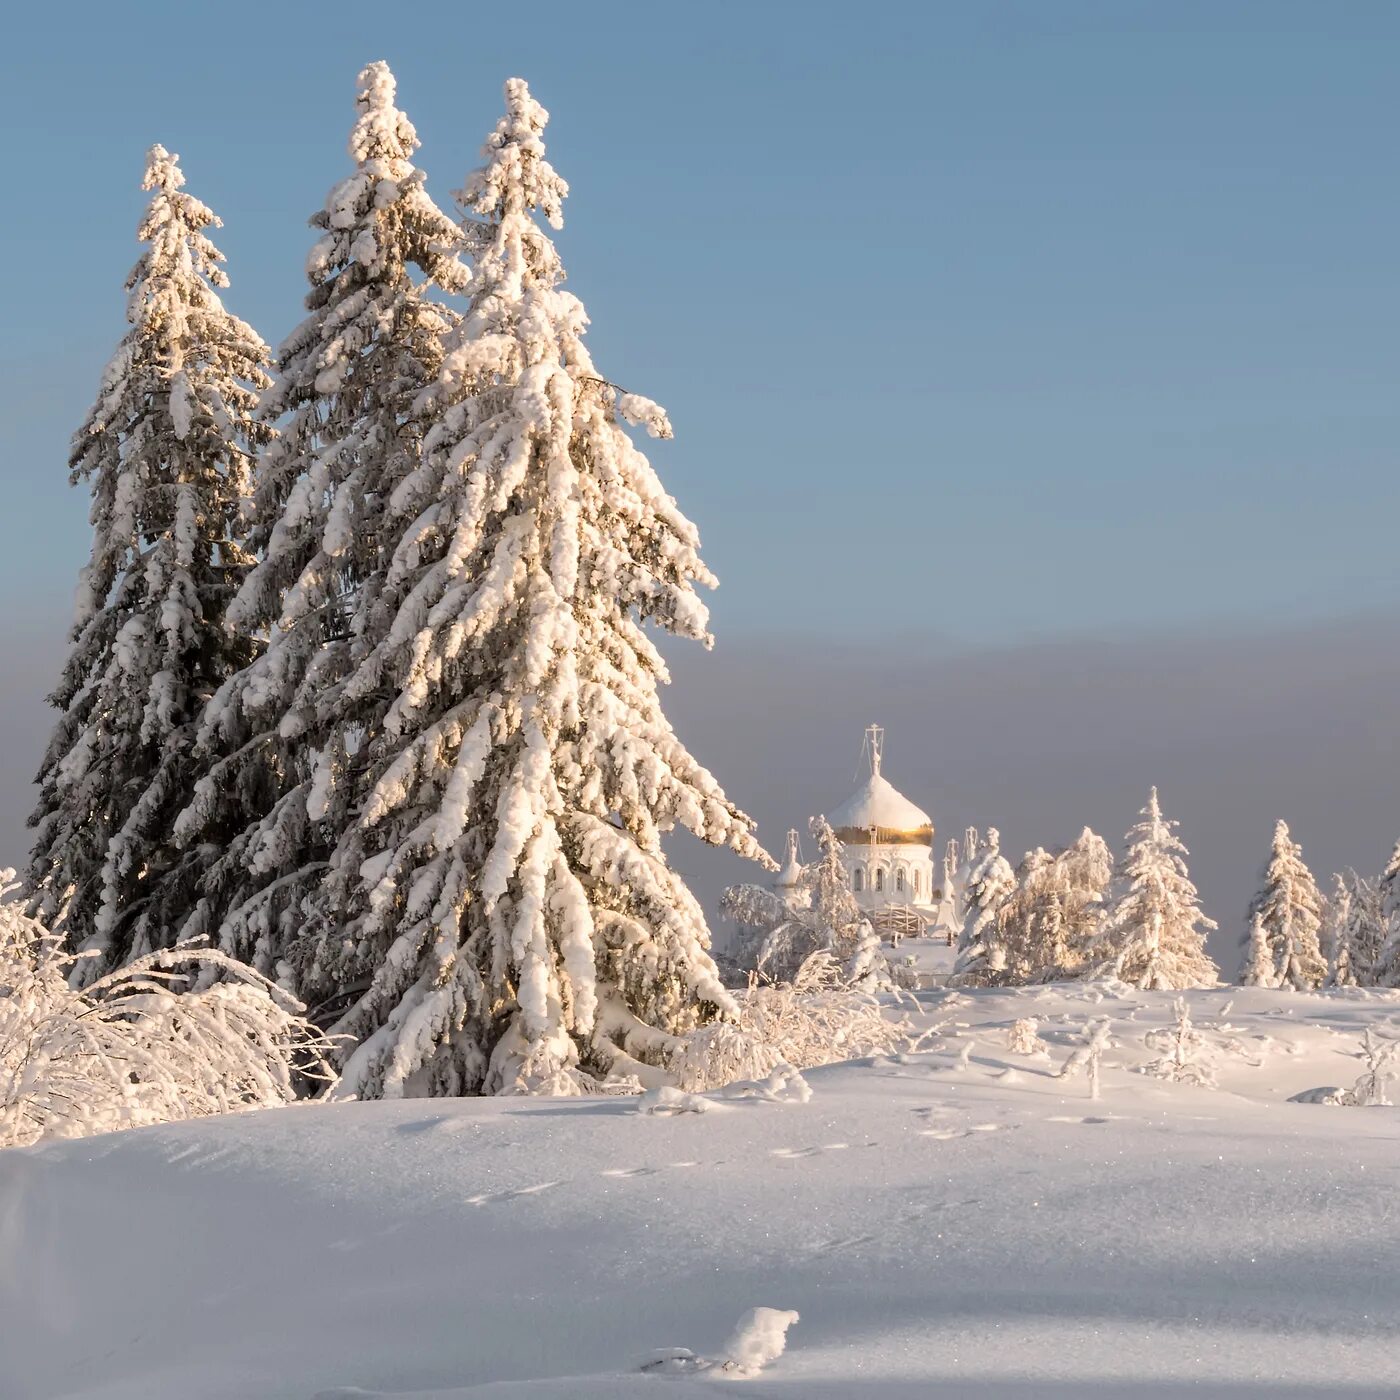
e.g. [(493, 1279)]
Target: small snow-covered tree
[(1084, 877), (502, 895), (1386, 968), (1354, 931), (1030, 918), (1371, 1089), (165, 450), (981, 960), (1184, 1054), (124, 1052), (1097, 1037), (833, 908), (1258, 969), (1049, 921), (1154, 934), (1023, 1037), (780, 933), (346, 381), (1290, 910), (755, 912)]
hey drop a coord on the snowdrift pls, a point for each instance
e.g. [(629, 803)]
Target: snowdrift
[(978, 1229)]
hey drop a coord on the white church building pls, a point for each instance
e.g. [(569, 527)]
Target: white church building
[(888, 856)]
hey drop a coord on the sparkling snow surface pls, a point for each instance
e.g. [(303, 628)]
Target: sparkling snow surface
[(986, 1231)]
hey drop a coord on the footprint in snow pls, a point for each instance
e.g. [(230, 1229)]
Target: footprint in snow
[(492, 1197), (948, 1134), (834, 1246), (793, 1152), (1072, 1118), (630, 1171)]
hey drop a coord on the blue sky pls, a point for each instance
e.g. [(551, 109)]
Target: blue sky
[(982, 325), (1016, 318)]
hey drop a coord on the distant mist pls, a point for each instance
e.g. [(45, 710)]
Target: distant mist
[(1040, 740), (1036, 739)]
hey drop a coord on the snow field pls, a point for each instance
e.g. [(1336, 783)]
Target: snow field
[(984, 1231)]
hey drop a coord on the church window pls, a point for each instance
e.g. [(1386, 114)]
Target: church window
[(880, 881), (899, 881), (858, 880)]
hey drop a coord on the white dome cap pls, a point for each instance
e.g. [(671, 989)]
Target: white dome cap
[(877, 813)]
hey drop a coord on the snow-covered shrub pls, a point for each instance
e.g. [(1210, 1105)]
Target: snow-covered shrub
[(1370, 1090), (1023, 1037), (784, 1085), (133, 1047), (1184, 1054), (816, 1019)]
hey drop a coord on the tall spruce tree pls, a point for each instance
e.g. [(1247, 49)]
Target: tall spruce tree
[(165, 450), (1154, 934), (1290, 910), (503, 889), (346, 381)]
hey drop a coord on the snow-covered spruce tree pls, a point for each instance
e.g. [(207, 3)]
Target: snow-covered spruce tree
[(1386, 968), (346, 381), (503, 889), (1154, 934), (1354, 931), (1084, 878), (989, 880), (1030, 917), (1290, 910), (1050, 919), (165, 449), (1185, 1055), (1257, 969)]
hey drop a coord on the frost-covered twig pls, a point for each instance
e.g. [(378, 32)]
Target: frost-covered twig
[(1097, 1039)]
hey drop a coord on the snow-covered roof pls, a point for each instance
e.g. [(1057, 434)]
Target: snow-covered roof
[(877, 803)]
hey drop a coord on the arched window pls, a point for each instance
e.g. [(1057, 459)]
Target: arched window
[(914, 880), (880, 881), (858, 880), (899, 880)]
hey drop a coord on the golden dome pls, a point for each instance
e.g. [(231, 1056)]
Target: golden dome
[(877, 814)]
